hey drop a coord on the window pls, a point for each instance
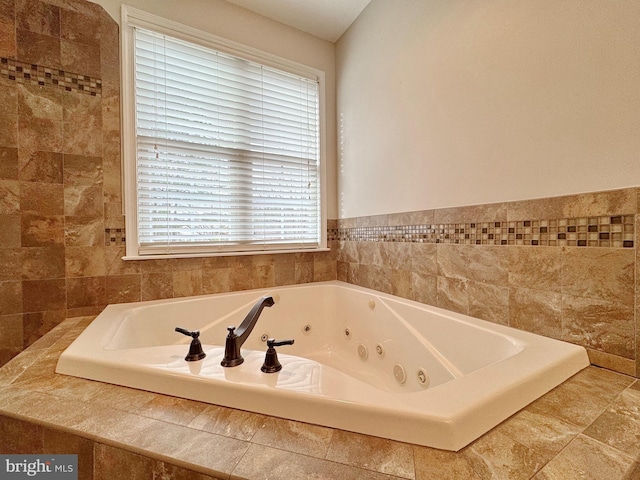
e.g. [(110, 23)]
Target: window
[(222, 145)]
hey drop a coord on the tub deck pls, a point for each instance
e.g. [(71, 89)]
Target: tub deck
[(585, 424)]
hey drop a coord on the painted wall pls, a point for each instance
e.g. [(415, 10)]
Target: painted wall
[(444, 104), (239, 25)]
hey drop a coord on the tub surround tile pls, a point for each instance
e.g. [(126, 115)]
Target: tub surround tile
[(20, 436), (37, 16), (466, 262), (38, 49), (10, 233), (281, 465), (42, 263), (9, 130), (607, 274), (153, 437), (8, 97), (588, 459), (372, 453), (40, 166), (86, 292), (225, 421), (489, 302), (123, 288), (453, 294), (57, 442), (582, 324), (9, 165), (615, 363), (37, 101), (9, 197), (539, 268), (302, 438)]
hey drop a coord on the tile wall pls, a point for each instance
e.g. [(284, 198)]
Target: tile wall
[(62, 235), (562, 267)]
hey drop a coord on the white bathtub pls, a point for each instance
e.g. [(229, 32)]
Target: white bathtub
[(462, 375)]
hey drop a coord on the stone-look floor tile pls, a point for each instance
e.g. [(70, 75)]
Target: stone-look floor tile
[(596, 389), (619, 425), (604, 273), (440, 464), (538, 268), (172, 409), (372, 453), (545, 434), (585, 458), (497, 456), (599, 324), (262, 462), (536, 311), (228, 422), (293, 436), (111, 463), (489, 302), (453, 295)]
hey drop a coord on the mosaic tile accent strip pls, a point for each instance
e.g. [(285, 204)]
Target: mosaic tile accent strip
[(616, 231), (114, 237), (44, 76)]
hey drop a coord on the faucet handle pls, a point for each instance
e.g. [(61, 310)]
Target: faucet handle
[(271, 363), (195, 349), (271, 342)]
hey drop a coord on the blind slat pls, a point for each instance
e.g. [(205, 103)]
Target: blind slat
[(228, 150)]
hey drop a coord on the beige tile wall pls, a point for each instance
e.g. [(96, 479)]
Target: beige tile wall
[(62, 225), (61, 235), (584, 295)]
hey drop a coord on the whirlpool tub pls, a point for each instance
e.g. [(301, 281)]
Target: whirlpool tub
[(362, 360)]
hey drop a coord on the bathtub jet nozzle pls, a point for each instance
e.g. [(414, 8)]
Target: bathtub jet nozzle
[(236, 337), (195, 349)]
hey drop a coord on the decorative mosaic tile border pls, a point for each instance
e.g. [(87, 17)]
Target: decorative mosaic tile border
[(114, 237), (617, 231), (44, 76)]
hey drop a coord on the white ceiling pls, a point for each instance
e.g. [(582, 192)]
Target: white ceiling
[(326, 19)]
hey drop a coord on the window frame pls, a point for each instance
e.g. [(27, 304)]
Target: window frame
[(132, 18)]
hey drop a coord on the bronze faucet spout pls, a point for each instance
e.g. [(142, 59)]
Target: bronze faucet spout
[(234, 341)]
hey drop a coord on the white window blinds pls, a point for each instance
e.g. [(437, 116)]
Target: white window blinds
[(227, 151)]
